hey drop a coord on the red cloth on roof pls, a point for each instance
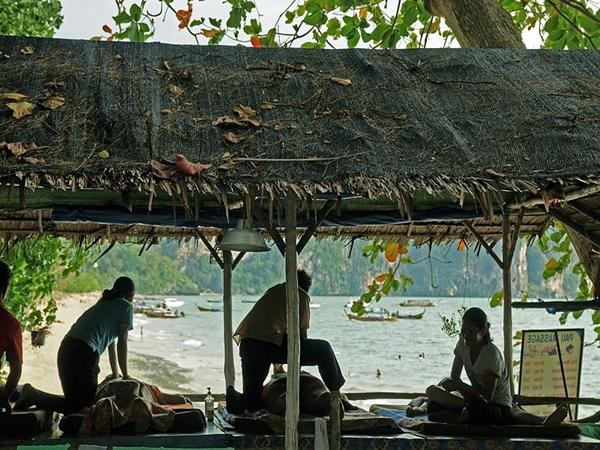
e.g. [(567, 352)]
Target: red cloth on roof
[(11, 337)]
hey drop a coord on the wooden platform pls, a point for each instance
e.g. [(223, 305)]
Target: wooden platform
[(214, 438)]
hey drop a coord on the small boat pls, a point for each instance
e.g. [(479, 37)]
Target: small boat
[(172, 302), (314, 305), (208, 309), (373, 315), (383, 315), (410, 316), (163, 313), (418, 303), (247, 300)]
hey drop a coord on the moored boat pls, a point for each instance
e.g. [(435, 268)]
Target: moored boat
[(382, 315), (163, 313), (421, 303), (208, 308)]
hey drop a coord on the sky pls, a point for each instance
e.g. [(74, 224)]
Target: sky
[(85, 18)]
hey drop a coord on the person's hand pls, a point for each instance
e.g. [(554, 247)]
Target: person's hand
[(5, 407)]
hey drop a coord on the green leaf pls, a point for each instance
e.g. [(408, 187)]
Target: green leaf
[(317, 18), (135, 12), (497, 299), (353, 39), (122, 18)]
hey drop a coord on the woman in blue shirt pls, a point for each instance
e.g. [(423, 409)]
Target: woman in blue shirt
[(79, 354)]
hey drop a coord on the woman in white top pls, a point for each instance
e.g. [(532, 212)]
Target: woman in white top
[(487, 400)]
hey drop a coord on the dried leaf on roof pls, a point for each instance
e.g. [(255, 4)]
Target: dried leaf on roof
[(32, 160), (53, 102), (341, 81), (21, 109), (188, 168), (233, 138), (12, 96)]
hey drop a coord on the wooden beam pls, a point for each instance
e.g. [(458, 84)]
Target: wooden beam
[(559, 306), (585, 233), (527, 400), (229, 368), (237, 260), (586, 212), (483, 243), (265, 222), (506, 305), (574, 195), (211, 249), (310, 231), (292, 394), (521, 399)]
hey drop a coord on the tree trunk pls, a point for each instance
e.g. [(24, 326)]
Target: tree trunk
[(477, 23)]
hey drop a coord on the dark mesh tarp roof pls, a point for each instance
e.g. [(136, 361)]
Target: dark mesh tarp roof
[(411, 119)]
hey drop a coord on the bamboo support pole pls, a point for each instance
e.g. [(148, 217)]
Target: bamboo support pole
[(335, 421), (227, 319), (292, 395), (506, 304)]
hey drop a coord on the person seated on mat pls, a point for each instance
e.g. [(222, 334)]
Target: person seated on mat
[(487, 400), (315, 398), (11, 343), (262, 337), (110, 319)]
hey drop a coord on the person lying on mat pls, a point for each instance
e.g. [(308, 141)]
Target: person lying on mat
[(487, 400), (110, 319), (262, 337), (132, 405), (11, 343), (315, 398)]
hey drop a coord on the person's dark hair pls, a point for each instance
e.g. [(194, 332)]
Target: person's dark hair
[(123, 288), (304, 280), (5, 276), (477, 317)]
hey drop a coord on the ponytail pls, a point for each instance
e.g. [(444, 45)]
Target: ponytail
[(123, 288)]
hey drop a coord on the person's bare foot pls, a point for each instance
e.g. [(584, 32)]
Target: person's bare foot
[(26, 398), (557, 416)]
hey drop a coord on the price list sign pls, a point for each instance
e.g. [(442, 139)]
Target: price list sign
[(541, 374)]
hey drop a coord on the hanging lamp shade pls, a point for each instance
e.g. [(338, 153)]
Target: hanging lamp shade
[(239, 239)]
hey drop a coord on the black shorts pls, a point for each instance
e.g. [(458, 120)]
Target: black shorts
[(482, 412)]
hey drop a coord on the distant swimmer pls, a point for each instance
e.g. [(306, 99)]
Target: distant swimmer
[(378, 373), (399, 356), (422, 355)]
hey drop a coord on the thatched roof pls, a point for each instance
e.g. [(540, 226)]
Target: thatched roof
[(419, 130)]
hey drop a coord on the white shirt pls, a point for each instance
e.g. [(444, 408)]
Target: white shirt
[(489, 361)]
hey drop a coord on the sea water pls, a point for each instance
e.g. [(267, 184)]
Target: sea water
[(186, 354)]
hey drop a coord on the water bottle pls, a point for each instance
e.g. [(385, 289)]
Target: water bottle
[(209, 406)]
